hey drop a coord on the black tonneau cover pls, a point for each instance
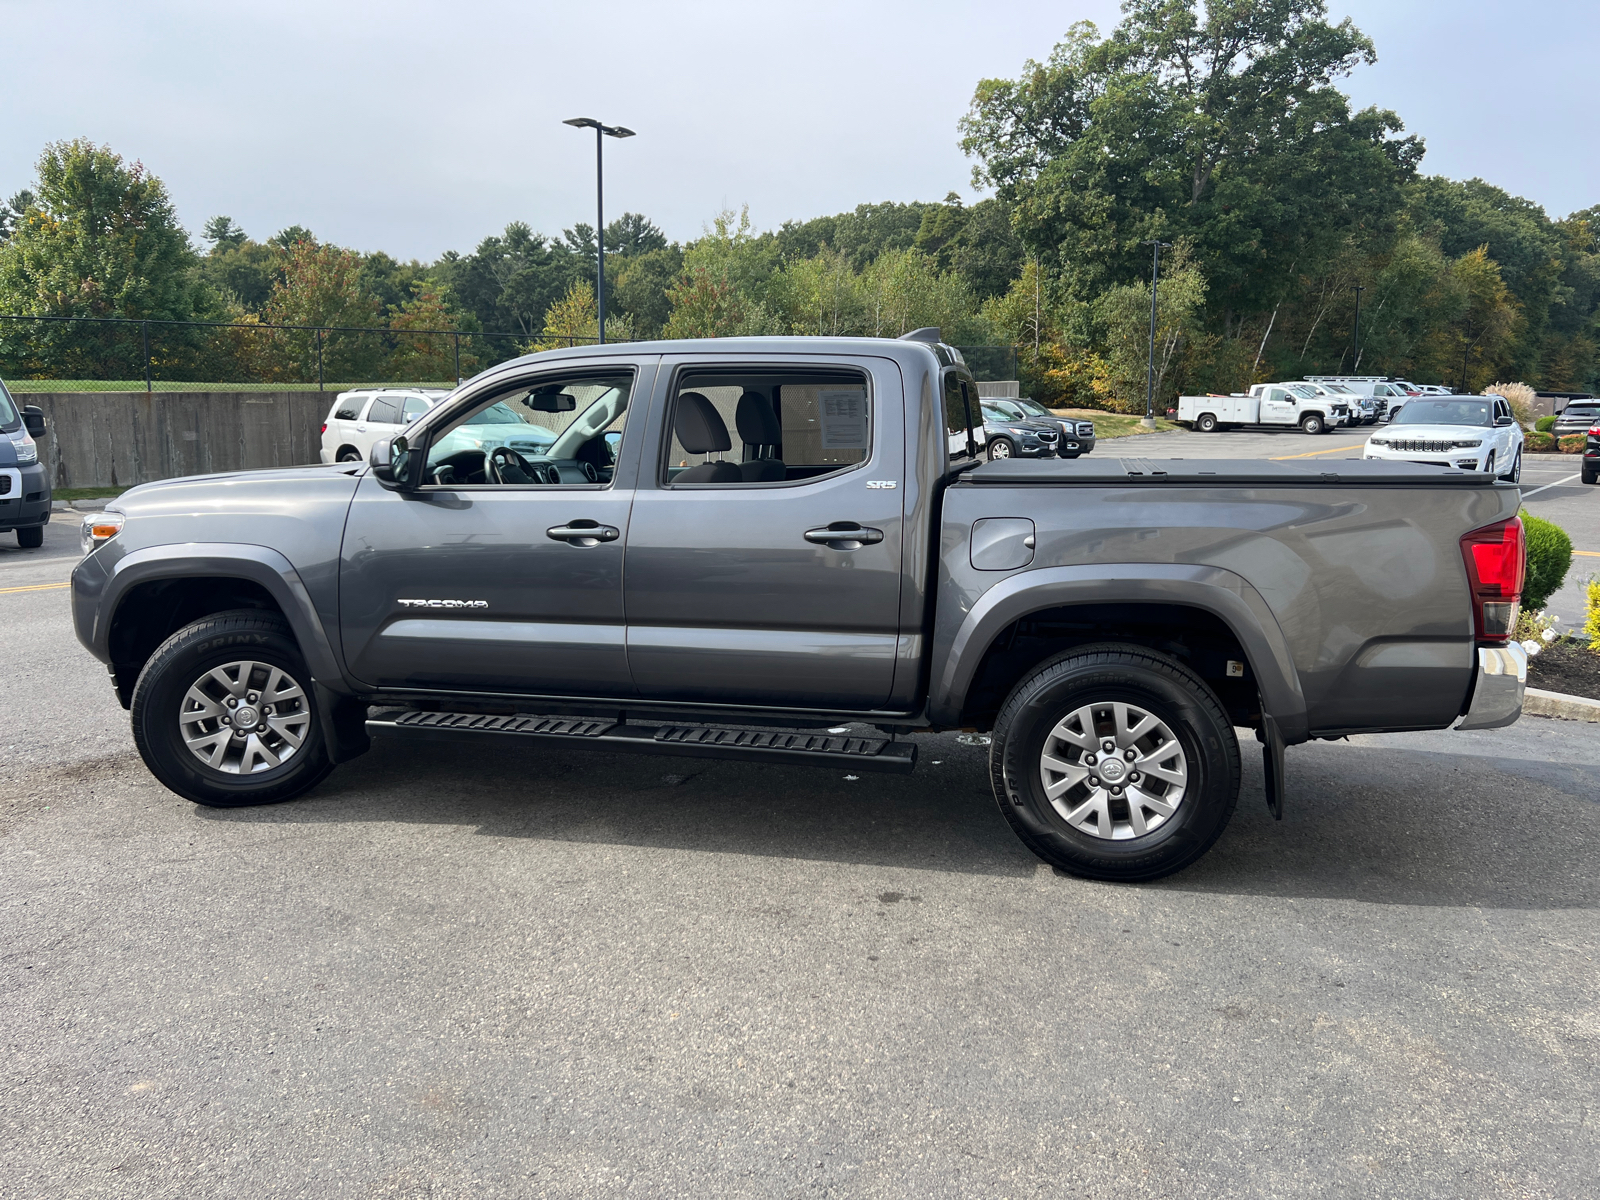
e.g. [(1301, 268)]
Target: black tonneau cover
[(1211, 472)]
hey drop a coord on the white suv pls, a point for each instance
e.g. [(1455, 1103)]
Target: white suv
[(1469, 433), (358, 419)]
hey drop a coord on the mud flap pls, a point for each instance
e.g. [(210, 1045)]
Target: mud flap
[(1272, 765)]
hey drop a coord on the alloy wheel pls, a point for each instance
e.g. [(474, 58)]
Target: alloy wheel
[(244, 717), (1114, 770)]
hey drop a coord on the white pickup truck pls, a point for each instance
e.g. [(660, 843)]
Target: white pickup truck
[(1271, 404)]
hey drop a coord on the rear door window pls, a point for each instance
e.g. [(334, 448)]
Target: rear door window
[(385, 410), (770, 426)]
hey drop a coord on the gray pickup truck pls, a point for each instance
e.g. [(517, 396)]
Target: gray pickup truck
[(792, 551)]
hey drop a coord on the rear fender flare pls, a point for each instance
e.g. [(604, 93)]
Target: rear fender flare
[(1222, 593)]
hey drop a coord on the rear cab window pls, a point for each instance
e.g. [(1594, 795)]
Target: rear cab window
[(766, 427)]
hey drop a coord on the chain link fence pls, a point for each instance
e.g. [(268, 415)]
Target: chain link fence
[(110, 354)]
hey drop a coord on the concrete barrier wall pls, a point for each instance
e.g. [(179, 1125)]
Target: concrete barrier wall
[(118, 439)]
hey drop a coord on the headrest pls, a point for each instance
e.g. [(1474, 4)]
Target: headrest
[(758, 424), (699, 426)]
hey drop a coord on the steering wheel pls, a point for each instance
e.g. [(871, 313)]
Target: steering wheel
[(505, 465)]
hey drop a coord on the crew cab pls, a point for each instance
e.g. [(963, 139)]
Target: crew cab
[(791, 550)]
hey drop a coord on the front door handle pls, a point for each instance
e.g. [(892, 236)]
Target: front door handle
[(844, 535), (583, 533)]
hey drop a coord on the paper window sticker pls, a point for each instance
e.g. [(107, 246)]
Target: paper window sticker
[(844, 418)]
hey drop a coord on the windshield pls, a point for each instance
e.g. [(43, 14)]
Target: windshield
[(1033, 408), (498, 414), (994, 412), (1447, 412), (8, 411), (1305, 393)]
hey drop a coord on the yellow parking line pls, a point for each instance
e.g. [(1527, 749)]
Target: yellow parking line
[(36, 587), (1588, 553), (1314, 453)]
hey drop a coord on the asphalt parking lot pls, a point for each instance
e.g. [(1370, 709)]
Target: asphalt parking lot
[(448, 973)]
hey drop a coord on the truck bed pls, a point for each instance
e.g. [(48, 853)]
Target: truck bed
[(1219, 472)]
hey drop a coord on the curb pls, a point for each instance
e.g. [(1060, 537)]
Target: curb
[(1536, 702)]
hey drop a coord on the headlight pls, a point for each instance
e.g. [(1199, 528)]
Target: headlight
[(1376, 442), (27, 450), (98, 529), (1468, 445)]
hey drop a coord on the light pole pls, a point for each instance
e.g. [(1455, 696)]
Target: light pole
[(1356, 335), (1149, 421), (601, 132)]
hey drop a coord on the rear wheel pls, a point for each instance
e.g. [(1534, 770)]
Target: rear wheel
[(349, 454), (1591, 474), (1000, 448), (1206, 423), (1115, 762), (224, 713), (31, 538), (1311, 423)]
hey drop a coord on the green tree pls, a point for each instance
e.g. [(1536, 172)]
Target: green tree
[(1123, 313), (98, 239), (638, 285), (1221, 128), (321, 286), (574, 320), (420, 355)]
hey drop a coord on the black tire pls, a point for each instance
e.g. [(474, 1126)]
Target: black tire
[(1146, 679), (1312, 424), (1206, 423), (349, 454), (182, 660), (1591, 476), (1003, 446), (1515, 474), (31, 537)]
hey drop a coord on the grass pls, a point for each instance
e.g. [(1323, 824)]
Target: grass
[(1114, 425), (21, 386), (70, 494)]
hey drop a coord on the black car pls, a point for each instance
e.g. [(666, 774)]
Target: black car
[(1591, 454), (1074, 437)]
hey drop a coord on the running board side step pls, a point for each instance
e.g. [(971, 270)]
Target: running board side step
[(693, 741)]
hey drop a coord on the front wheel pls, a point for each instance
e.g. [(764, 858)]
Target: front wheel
[(1311, 423), (1000, 448), (31, 538), (1515, 474), (224, 713), (1115, 762)]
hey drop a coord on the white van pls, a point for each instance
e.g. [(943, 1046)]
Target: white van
[(360, 418)]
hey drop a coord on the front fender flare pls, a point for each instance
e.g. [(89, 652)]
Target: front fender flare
[(189, 560), (1224, 594)]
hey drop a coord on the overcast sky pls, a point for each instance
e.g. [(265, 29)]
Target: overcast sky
[(418, 127)]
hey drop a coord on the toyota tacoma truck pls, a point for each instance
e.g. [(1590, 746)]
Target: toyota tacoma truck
[(793, 551)]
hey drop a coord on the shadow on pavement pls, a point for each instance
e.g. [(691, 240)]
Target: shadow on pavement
[(942, 818), (1408, 826)]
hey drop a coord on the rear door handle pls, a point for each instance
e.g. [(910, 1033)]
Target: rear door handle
[(844, 535), (583, 533)]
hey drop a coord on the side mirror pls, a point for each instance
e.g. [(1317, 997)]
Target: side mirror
[(392, 461), (33, 420), (1504, 421)]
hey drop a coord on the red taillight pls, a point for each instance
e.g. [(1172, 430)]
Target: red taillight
[(1495, 558), (324, 427)]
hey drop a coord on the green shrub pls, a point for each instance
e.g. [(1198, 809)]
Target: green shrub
[(1541, 441), (1545, 424), (1571, 443), (1549, 557)]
